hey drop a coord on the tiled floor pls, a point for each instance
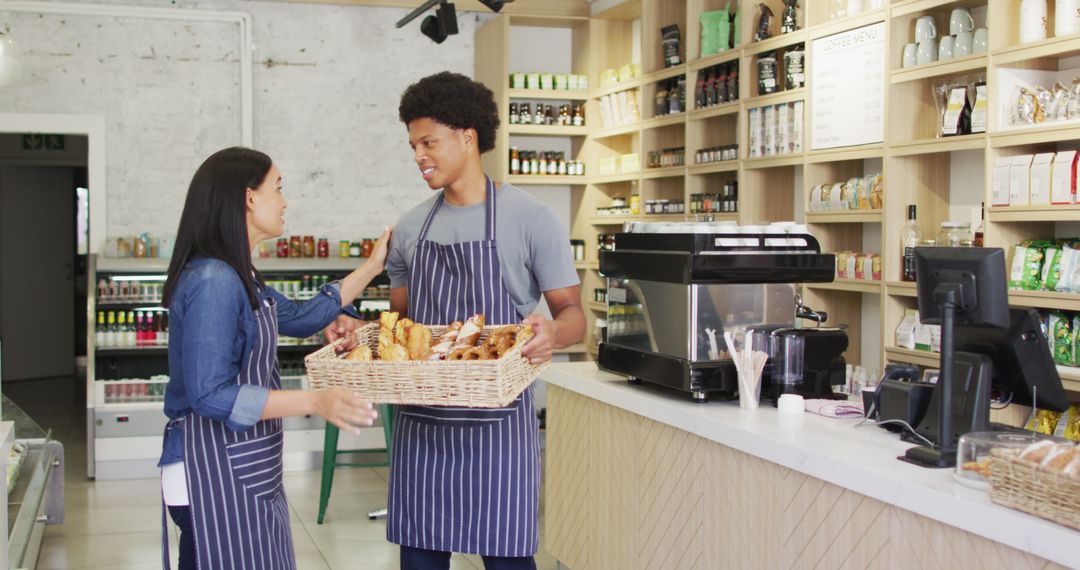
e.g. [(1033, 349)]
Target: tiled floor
[(114, 525)]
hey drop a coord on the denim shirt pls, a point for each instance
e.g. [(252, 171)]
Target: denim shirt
[(212, 331)]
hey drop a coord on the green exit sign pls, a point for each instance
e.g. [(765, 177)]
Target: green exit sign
[(42, 142)]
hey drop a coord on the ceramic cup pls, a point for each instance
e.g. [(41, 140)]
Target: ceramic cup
[(927, 52), (978, 43), (946, 48), (961, 21), (1066, 17), (910, 59), (1032, 21), (964, 44), (925, 29)]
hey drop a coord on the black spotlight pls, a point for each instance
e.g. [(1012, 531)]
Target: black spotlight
[(495, 5), (442, 24)]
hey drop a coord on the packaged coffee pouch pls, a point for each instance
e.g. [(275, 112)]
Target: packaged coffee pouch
[(1027, 107), (672, 45), (794, 74), (1043, 96), (1059, 103), (766, 65), (1074, 99), (978, 110), (957, 112)]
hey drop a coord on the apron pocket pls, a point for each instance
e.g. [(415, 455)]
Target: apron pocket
[(460, 417), (256, 465)]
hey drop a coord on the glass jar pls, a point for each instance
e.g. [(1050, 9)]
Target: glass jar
[(366, 247), (296, 246), (309, 246), (952, 234), (618, 202), (343, 248), (324, 247), (354, 249), (282, 247)]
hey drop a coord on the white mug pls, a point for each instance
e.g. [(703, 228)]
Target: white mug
[(963, 45), (925, 30), (961, 21), (1066, 17), (945, 49), (927, 52), (978, 43), (910, 58), (1032, 21)]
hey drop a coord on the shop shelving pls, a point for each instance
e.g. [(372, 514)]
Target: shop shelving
[(713, 167), (845, 217), (714, 111), (548, 94), (547, 130), (1060, 213), (530, 180), (850, 285), (940, 68)]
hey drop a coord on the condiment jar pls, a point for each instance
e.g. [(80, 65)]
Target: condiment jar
[(952, 234)]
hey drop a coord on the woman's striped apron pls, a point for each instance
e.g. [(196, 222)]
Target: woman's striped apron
[(238, 509), (464, 479)]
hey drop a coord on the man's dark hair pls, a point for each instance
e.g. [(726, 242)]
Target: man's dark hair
[(455, 101)]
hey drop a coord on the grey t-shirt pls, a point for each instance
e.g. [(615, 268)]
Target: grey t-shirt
[(533, 244)]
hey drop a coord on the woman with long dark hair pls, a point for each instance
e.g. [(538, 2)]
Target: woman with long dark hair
[(222, 457)]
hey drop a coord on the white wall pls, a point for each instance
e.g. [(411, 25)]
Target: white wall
[(327, 81)]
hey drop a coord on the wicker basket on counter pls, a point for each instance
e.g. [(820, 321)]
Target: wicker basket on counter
[(1025, 486), (466, 383)]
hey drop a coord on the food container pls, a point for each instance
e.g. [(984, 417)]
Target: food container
[(973, 454), (952, 233)]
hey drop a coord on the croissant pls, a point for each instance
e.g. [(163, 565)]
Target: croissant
[(419, 342), (362, 352), (470, 332)]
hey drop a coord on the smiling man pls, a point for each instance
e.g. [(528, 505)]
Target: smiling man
[(468, 480)]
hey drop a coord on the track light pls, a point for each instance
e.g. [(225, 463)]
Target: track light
[(495, 5), (442, 24)]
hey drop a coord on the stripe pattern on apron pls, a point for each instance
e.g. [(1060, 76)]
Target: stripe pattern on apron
[(464, 479), (239, 513)]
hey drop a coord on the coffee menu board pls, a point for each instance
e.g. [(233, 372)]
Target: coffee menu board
[(847, 88)]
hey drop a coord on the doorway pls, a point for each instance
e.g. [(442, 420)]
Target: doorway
[(43, 246)]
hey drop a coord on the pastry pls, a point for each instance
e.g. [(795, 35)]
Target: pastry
[(419, 342), (470, 332), (394, 353), (445, 345), (1036, 451), (362, 352), (401, 331), (388, 319), (451, 333), (1058, 457), (524, 335), (458, 354), (386, 339), (1073, 468)]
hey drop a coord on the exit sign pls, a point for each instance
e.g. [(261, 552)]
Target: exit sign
[(42, 142)]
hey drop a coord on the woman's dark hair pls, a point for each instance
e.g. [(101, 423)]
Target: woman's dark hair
[(214, 220), (455, 101)]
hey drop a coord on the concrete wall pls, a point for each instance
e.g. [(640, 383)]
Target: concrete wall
[(327, 81)]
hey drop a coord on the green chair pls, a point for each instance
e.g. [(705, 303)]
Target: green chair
[(331, 452)]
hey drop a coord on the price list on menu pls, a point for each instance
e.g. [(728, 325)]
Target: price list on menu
[(847, 88)]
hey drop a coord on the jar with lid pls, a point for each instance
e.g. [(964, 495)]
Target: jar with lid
[(618, 202), (296, 246), (952, 234), (309, 246), (366, 247), (354, 249), (513, 113), (343, 248), (282, 247), (635, 204), (323, 247)]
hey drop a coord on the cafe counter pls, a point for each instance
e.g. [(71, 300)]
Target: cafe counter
[(640, 477)]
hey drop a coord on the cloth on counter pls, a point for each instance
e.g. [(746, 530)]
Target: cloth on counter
[(835, 408)]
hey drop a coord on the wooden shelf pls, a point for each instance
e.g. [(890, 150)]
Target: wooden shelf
[(901, 288), (583, 265), (662, 74), (612, 220), (615, 178), (845, 217), (781, 41), (530, 180), (552, 94), (547, 130), (663, 217), (723, 57), (631, 129), (914, 6), (594, 306), (787, 96), (1056, 48), (298, 264), (665, 121), (774, 161), (1062, 213), (851, 285), (1036, 134), (617, 87), (713, 167), (671, 171), (921, 357), (1070, 377), (714, 111), (939, 68), (937, 145), (1045, 300), (844, 154)]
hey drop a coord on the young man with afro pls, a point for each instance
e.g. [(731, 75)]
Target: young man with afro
[(468, 479)]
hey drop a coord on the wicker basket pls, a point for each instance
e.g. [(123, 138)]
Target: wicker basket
[(1025, 486), (472, 383)]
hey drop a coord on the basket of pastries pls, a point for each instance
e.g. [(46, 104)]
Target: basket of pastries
[(397, 361), (1043, 479)]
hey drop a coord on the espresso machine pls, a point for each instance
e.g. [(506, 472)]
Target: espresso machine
[(671, 297)]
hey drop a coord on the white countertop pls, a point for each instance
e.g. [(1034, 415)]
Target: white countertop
[(833, 450)]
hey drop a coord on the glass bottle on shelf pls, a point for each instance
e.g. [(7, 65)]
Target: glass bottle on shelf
[(121, 330), (100, 330), (130, 336), (977, 239), (515, 161), (910, 237), (525, 118), (110, 330)]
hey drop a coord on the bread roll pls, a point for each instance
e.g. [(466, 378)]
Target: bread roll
[(1036, 451), (1058, 457), (362, 352), (470, 332), (395, 353), (419, 342)]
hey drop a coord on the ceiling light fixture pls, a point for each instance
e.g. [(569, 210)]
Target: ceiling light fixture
[(10, 60), (444, 22)]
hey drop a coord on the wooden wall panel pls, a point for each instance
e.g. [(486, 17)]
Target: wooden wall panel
[(624, 492)]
